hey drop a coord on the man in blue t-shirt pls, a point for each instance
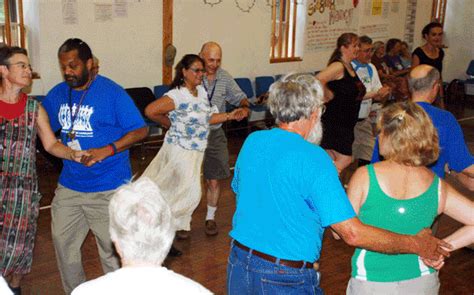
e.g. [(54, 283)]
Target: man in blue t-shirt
[(94, 114), (288, 191), (424, 83)]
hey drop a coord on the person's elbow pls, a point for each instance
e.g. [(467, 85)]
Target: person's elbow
[(350, 231), (149, 112), (141, 133)]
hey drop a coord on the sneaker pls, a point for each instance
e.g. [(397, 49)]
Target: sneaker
[(211, 228), (182, 234)]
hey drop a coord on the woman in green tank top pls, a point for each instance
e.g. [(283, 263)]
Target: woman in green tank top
[(401, 195)]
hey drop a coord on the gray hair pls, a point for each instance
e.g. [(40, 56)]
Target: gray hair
[(141, 222), (294, 97), (424, 83)]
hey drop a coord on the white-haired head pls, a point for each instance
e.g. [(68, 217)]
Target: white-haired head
[(295, 97), (141, 223)]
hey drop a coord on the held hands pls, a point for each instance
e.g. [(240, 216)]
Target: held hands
[(431, 249), (239, 114), (76, 156), (436, 264), (93, 156)]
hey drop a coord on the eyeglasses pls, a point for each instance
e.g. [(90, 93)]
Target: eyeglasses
[(22, 66), (198, 70)]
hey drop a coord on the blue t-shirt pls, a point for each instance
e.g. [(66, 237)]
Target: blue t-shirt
[(287, 192), (106, 114), (453, 148)]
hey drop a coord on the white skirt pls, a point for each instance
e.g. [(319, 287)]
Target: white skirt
[(177, 172)]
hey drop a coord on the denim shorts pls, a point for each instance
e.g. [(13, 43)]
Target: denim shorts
[(250, 274)]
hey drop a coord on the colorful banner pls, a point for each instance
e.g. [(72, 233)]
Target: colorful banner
[(327, 20)]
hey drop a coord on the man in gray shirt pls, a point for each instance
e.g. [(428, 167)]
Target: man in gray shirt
[(221, 88)]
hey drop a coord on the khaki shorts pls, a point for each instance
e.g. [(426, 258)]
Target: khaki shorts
[(425, 285), (216, 156)]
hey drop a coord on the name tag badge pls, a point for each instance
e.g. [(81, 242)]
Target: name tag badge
[(74, 144)]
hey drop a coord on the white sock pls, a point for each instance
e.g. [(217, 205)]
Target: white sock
[(211, 211)]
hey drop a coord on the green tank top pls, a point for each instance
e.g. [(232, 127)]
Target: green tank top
[(399, 216)]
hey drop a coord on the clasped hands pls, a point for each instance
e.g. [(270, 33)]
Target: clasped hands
[(91, 156), (239, 114), (434, 250)]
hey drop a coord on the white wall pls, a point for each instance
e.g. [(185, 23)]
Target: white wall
[(130, 48), (459, 37)]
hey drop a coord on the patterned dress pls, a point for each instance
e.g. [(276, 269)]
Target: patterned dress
[(19, 190), (176, 169)]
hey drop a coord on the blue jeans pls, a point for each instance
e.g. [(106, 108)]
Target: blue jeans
[(250, 274)]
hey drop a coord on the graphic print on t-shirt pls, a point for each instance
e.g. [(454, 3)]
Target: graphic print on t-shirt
[(82, 125)]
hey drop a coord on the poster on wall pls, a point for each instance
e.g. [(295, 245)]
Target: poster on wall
[(120, 8), (69, 10), (376, 7), (377, 12), (102, 12), (327, 20)]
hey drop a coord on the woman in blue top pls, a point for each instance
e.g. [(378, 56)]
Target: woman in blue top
[(186, 112), (401, 195)]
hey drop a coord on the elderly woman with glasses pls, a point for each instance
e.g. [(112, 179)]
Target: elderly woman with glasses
[(142, 229), (400, 194), (186, 111), (21, 120)]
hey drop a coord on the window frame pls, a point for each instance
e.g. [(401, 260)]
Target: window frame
[(438, 11), (277, 44), (15, 6)]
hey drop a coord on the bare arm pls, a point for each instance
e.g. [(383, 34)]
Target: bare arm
[(50, 143), (158, 110), (466, 177), (460, 208), (379, 95), (357, 234), (334, 71), (415, 60)]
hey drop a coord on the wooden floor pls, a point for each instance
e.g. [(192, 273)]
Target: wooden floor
[(205, 258)]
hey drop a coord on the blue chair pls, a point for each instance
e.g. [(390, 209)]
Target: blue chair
[(160, 90), (246, 86), (262, 84)]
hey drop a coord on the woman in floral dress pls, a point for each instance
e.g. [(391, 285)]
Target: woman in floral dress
[(186, 111), (21, 120)]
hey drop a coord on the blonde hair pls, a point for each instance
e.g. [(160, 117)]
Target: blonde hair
[(409, 136)]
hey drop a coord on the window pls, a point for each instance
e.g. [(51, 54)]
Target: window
[(439, 11), (12, 28), (284, 34)]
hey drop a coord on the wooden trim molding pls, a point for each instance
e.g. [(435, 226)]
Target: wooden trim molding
[(167, 71)]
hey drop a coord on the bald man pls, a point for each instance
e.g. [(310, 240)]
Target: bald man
[(424, 83), (221, 88)]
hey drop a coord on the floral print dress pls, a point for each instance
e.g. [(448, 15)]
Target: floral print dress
[(176, 169)]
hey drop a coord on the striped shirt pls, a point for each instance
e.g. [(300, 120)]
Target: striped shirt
[(223, 89)]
